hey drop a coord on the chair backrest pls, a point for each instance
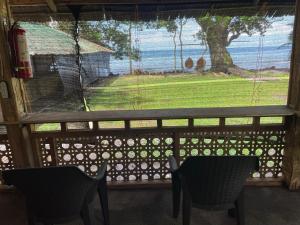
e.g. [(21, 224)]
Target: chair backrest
[(214, 180), (53, 192)]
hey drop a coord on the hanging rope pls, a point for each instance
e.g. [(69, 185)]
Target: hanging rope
[(137, 39), (76, 30), (138, 71), (258, 75)]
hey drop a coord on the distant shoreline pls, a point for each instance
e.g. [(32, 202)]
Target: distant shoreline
[(247, 72), (249, 58)]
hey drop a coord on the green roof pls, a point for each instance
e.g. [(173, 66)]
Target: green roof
[(45, 40)]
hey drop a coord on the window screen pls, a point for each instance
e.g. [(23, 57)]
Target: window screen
[(180, 61)]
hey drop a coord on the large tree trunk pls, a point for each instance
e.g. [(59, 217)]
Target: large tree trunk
[(220, 57), (130, 49), (180, 40), (217, 41), (175, 51)]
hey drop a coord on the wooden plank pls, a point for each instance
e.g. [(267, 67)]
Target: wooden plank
[(191, 122), (155, 114), (140, 184), (6, 188), (95, 125), (294, 82), (142, 131), (266, 182), (291, 162), (63, 127), (12, 107), (53, 151), (52, 6), (34, 146), (83, 2), (159, 123), (15, 137), (256, 121), (127, 124), (176, 146), (222, 122)]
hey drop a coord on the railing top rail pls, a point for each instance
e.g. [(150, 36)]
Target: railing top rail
[(155, 114)]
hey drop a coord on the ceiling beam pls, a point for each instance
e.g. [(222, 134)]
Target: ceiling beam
[(91, 2), (51, 5)]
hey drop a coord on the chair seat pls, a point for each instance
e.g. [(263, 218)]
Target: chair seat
[(59, 194), (211, 183)]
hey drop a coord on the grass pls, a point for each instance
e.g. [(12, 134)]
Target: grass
[(185, 91)]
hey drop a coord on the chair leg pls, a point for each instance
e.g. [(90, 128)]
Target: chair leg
[(186, 209), (176, 190), (239, 205), (85, 215), (232, 212), (102, 191), (30, 216), (31, 221)]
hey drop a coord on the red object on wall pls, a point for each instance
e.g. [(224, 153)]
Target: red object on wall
[(19, 51)]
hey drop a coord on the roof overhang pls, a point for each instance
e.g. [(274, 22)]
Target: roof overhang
[(146, 9)]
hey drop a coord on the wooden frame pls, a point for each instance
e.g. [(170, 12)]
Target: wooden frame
[(19, 128), (62, 147)]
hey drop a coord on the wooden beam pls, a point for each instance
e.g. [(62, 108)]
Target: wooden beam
[(13, 105), (88, 2), (52, 6), (265, 182), (133, 2), (155, 114), (291, 163)]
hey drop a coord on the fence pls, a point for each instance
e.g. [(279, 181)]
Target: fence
[(138, 154)]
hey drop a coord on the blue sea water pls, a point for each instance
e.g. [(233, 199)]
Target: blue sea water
[(245, 57), (250, 52)]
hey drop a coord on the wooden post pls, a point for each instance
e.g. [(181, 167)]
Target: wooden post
[(176, 146), (13, 107), (291, 162)]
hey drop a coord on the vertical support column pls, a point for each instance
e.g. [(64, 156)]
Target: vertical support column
[(291, 162), (13, 106), (176, 146), (53, 152)]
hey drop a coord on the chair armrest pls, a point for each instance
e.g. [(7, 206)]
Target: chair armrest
[(102, 171), (173, 164)]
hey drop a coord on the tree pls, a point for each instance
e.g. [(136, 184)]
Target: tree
[(172, 28), (182, 22), (109, 33), (290, 37), (133, 51), (219, 31)]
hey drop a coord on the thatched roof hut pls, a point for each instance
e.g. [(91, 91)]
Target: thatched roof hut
[(54, 62)]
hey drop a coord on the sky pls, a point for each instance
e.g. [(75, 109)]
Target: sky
[(152, 39)]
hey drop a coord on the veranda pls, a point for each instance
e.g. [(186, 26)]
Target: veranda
[(138, 156)]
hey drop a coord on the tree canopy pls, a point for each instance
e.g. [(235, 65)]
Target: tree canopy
[(219, 32), (109, 33)]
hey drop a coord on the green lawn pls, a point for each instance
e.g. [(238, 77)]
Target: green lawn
[(186, 91)]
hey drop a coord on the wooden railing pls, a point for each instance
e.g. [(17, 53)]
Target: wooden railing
[(6, 154), (138, 150)]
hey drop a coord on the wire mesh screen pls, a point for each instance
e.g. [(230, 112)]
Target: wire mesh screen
[(179, 62)]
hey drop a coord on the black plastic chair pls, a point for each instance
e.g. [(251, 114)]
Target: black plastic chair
[(211, 183), (57, 195)]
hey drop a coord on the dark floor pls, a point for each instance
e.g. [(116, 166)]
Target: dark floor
[(264, 206)]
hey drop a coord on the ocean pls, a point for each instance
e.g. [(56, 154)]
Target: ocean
[(245, 57)]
